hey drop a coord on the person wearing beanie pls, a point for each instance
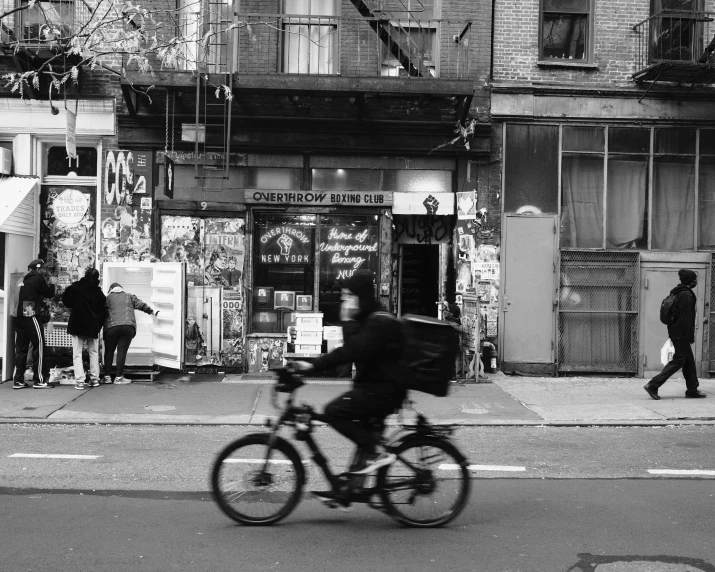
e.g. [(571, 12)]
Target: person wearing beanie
[(29, 314), (682, 333), (120, 327), (371, 340), (86, 301)]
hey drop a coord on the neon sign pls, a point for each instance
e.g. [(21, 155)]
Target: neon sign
[(347, 249)]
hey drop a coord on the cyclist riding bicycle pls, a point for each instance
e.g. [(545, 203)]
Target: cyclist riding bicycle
[(371, 340)]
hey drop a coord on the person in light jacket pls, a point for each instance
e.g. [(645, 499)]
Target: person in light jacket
[(120, 327)]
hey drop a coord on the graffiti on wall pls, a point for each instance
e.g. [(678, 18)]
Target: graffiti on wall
[(264, 353), (213, 250), (127, 187), (67, 237), (421, 229)]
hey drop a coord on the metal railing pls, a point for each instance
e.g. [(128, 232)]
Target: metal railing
[(675, 37), (329, 45), (43, 22), (598, 311)]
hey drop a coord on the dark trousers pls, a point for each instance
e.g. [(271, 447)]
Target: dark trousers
[(29, 330), (682, 359), (351, 414), (117, 338)]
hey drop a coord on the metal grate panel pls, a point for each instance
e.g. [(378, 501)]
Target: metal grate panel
[(598, 311)]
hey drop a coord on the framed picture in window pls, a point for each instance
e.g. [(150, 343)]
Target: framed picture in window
[(284, 300), (304, 303)]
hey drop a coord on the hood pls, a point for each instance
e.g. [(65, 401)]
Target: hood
[(681, 288), (116, 289)]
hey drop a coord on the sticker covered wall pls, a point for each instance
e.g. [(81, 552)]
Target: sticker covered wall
[(67, 237), (127, 192)]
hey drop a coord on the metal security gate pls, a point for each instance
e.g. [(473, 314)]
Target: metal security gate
[(711, 317), (598, 312)]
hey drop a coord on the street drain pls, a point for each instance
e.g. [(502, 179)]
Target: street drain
[(29, 408)]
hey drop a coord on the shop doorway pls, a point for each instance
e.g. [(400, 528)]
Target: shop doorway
[(657, 280), (419, 279)]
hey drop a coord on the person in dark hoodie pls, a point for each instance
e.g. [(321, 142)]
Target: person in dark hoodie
[(371, 340), (86, 301), (682, 333), (120, 327), (26, 313)]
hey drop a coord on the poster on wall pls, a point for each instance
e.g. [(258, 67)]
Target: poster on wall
[(214, 252), (67, 237), (126, 214)]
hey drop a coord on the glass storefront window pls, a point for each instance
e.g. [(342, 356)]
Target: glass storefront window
[(401, 180), (582, 201), (284, 262), (706, 190), (347, 243)]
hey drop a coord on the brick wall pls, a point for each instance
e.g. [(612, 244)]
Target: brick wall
[(516, 37)]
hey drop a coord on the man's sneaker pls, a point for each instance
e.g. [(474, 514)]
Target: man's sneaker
[(42, 385), (107, 380), (381, 460), (331, 500), (121, 380), (19, 385), (94, 382), (81, 384)]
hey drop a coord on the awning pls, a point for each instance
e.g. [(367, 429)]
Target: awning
[(13, 191), (422, 203)]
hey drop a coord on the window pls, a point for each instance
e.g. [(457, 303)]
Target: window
[(531, 179), (58, 164), (287, 260), (677, 30), (706, 191), (402, 180), (48, 20), (310, 44), (189, 15), (566, 30), (413, 35)]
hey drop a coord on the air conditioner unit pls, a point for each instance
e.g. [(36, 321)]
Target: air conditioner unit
[(5, 161)]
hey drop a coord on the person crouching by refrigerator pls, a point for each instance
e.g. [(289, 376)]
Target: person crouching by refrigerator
[(120, 327)]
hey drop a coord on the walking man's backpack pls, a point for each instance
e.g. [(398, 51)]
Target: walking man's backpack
[(667, 313), (427, 358)]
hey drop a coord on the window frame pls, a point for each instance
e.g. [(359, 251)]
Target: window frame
[(22, 20), (310, 19), (589, 39)]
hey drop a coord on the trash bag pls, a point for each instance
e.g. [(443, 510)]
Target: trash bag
[(666, 352)]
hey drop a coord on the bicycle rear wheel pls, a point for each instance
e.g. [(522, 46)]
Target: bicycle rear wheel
[(428, 485), (252, 492)]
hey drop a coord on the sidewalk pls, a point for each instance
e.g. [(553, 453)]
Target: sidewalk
[(245, 400)]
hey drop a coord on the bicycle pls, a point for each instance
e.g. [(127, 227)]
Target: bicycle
[(259, 478)]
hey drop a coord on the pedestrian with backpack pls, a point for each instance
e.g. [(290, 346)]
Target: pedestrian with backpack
[(678, 312), (371, 340), (86, 301)]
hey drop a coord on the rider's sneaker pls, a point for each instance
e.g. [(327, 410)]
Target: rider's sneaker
[(330, 499), (383, 459)]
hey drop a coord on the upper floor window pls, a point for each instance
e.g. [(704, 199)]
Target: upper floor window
[(412, 37), (310, 36), (677, 30), (52, 21), (566, 28)]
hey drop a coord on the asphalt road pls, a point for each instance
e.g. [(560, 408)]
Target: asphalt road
[(571, 499)]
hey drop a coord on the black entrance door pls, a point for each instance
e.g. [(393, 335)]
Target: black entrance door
[(419, 284)]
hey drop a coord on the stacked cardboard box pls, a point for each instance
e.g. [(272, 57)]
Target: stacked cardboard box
[(308, 333)]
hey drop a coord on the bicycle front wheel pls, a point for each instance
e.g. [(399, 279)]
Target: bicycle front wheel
[(252, 491), (428, 485)]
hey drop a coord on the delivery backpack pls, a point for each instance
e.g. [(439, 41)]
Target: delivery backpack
[(428, 351), (667, 314)]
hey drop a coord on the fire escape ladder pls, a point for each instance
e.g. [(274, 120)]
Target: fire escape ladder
[(395, 37)]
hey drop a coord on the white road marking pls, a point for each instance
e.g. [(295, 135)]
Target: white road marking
[(261, 461), (506, 468), (52, 456), (681, 472)]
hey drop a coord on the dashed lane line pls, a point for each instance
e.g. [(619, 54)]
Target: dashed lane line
[(51, 456), (503, 468), (700, 472)]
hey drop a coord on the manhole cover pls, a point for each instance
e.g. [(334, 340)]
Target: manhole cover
[(159, 407)]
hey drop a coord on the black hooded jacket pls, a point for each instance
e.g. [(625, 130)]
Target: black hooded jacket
[(86, 302), (683, 328), (30, 297), (372, 343)]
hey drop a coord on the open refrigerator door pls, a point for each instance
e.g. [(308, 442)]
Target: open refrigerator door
[(167, 298)]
